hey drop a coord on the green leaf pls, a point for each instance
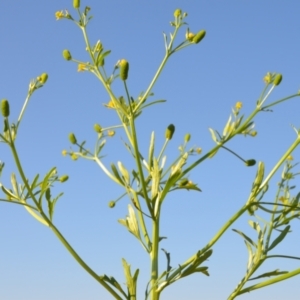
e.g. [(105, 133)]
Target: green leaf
[(124, 173), (51, 205), (213, 135), (9, 193), (250, 254), (101, 57), (130, 281), (153, 102), (116, 173), (269, 274), (228, 127), (245, 237), (151, 149), (14, 184), (280, 237), (155, 174)]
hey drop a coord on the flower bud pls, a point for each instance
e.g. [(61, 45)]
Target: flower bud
[(111, 204), (72, 138), (110, 133), (67, 55), (170, 131), (124, 68), (74, 156), (277, 79), (177, 13), (43, 78), (190, 36), (63, 178), (97, 128), (199, 36), (187, 137), (5, 108), (250, 162), (76, 3)]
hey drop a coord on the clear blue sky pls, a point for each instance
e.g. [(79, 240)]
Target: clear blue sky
[(244, 41)]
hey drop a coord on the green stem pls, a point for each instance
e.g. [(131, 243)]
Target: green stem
[(249, 273), (81, 262), (270, 281), (137, 153), (47, 222), (279, 101), (281, 161), (169, 52), (154, 258), (217, 236)]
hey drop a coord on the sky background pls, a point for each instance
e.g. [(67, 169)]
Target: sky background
[(244, 41)]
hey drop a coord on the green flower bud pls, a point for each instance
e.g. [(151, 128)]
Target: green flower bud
[(5, 108), (124, 68), (111, 204), (250, 162), (183, 182), (76, 3), (177, 13), (170, 131), (67, 55), (97, 128), (277, 79), (187, 137), (72, 138), (63, 178), (43, 78), (199, 36)]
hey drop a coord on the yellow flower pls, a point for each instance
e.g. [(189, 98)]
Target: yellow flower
[(253, 133), (189, 36), (283, 199), (268, 78), (74, 156), (239, 105), (111, 104), (198, 150), (290, 157), (81, 67), (110, 133), (59, 15), (64, 152)]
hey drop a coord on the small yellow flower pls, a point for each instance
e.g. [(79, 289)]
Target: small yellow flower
[(253, 133), (239, 105), (110, 133), (283, 199), (59, 15), (268, 78), (198, 150), (64, 152), (74, 156), (111, 104), (81, 67), (290, 157), (189, 36)]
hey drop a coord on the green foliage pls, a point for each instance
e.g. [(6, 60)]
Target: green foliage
[(151, 180)]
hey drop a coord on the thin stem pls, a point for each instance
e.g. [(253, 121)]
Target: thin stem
[(281, 161), (47, 222), (279, 101), (162, 150), (217, 236), (137, 155), (270, 281), (154, 258)]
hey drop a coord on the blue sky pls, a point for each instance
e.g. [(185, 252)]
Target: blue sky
[(244, 41)]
